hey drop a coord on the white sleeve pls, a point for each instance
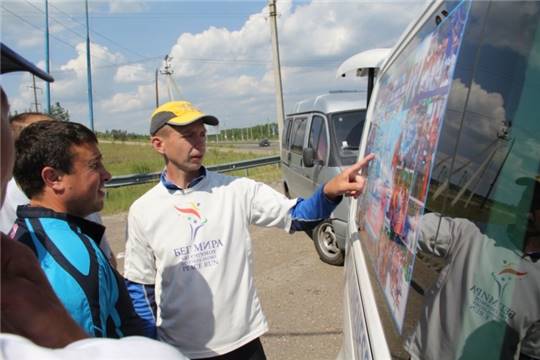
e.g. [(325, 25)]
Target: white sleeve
[(131, 347), (269, 208), (139, 260)]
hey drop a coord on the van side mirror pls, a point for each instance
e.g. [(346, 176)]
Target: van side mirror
[(307, 157)]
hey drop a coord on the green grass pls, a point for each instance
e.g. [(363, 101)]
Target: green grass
[(120, 199), (124, 159)]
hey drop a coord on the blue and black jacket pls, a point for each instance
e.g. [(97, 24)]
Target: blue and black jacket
[(67, 248)]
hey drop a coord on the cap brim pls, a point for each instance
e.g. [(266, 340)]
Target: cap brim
[(11, 61), (207, 119)]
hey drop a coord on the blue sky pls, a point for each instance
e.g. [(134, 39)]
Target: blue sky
[(221, 53)]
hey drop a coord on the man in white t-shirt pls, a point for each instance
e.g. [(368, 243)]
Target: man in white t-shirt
[(189, 246), (15, 196), (34, 324), (485, 302)]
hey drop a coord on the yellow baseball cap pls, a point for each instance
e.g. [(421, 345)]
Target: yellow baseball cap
[(178, 113)]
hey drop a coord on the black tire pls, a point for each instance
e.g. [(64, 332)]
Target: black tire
[(324, 238)]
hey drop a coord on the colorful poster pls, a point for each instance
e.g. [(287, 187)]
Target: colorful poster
[(407, 119)]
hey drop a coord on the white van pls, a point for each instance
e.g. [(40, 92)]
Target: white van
[(321, 135), (443, 246)]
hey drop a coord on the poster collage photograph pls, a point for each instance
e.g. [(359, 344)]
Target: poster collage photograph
[(408, 116)]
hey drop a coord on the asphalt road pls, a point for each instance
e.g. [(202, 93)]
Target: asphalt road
[(301, 296)]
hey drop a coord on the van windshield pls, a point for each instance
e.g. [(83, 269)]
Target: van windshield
[(347, 128)]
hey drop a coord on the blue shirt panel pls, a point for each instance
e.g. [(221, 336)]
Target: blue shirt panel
[(64, 285), (68, 242), (91, 290)]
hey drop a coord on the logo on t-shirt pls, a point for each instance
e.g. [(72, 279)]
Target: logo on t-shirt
[(505, 275), (496, 306), (193, 216)]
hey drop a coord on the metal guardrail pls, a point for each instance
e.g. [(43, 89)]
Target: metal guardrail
[(134, 179)]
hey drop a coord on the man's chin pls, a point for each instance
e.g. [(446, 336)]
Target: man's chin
[(98, 206), (195, 166)]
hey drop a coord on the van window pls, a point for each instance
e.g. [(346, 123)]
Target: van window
[(297, 134), (286, 133), (347, 127), (318, 138), (462, 280)]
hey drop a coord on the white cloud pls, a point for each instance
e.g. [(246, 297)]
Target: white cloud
[(235, 67), (101, 56), (125, 102), (132, 73), (481, 101), (227, 72)]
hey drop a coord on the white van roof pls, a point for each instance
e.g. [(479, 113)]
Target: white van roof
[(359, 64), (334, 101)]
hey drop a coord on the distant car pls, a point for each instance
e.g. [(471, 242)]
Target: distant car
[(264, 143)]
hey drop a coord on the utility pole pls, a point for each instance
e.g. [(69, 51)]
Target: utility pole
[(47, 61), (157, 90), (35, 89), (172, 88), (280, 112), (89, 71)]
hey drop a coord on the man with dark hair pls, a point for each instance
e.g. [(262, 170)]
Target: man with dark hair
[(15, 196), (58, 166), (34, 323)]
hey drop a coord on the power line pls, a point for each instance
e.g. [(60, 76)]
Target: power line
[(239, 62), (56, 20), (99, 34), (38, 28), (66, 27), (75, 46)]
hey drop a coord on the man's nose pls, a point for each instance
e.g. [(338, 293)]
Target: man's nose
[(105, 175)]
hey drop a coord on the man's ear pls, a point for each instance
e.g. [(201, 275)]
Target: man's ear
[(158, 144), (52, 178)]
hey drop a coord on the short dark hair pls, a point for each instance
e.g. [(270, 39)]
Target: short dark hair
[(47, 143)]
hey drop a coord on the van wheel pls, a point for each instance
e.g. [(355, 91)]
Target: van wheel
[(325, 241)]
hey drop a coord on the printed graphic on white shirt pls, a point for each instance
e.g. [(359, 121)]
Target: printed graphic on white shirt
[(201, 253), (496, 306)]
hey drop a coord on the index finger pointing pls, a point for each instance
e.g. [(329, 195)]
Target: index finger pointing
[(361, 163)]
